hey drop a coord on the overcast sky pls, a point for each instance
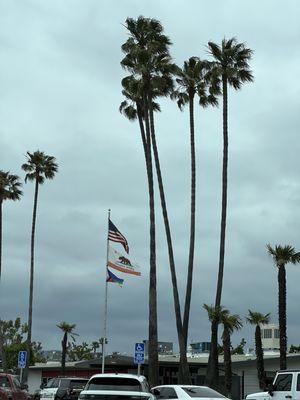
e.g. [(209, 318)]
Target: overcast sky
[(60, 92)]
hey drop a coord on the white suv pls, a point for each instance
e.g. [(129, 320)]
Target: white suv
[(116, 386)]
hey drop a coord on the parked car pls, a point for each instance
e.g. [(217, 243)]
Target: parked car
[(62, 388), (286, 385), (116, 386), (11, 388), (185, 392)]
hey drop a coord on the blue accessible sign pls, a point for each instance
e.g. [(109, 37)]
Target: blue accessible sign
[(139, 353), (22, 358)]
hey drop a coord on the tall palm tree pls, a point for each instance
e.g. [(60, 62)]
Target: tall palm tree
[(282, 255), (192, 80), (146, 50), (231, 323), (68, 330), (231, 68), (257, 319), (38, 168), (132, 108), (10, 189)]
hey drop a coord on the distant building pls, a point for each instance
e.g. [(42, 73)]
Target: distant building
[(200, 347), (270, 337), (163, 347)]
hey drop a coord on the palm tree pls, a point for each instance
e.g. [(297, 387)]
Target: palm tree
[(231, 68), (282, 255), (258, 319), (10, 189), (146, 52), (95, 346), (38, 167), (192, 80), (231, 323), (68, 330), (132, 108)]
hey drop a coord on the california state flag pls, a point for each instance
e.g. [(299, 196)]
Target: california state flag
[(121, 263)]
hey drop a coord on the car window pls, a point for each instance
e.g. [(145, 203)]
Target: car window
[(167, 393), (283, 383), (201, 391), (114, 383), (16, 383), (298, 383), (78, 384), (64, 383), (4, 382), (52, 383)]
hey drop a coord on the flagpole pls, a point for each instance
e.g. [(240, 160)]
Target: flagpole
[(104, 339)]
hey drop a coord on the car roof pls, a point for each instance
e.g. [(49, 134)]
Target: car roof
[(179, 386), (74, 378), (139, 378)]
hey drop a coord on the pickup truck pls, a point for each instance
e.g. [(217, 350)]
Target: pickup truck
[(11, 389), (286, 385)]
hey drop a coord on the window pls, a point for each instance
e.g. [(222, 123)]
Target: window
[(78, 384), (200, 391), (114, 383), (283, 383), (267, 333), (276, 333), (298, 383), (4, 382), (16, 382), (167, 393), (64, 383)]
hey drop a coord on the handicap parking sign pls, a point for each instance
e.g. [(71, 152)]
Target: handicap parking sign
[(139, 347), (139, 354), (22, 357)]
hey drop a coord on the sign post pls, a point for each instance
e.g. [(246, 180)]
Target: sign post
[(139, 355), (22, 358)]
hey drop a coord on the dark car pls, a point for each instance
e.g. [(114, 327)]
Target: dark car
[(63, 389)]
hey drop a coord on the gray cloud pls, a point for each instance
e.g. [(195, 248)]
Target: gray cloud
[(60, 92)]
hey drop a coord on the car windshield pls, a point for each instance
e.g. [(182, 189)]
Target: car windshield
[(78, 384), (198, 391), (114, 383)]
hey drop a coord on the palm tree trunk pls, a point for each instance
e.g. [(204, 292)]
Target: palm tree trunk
[(64, 353), (259, 359), (282, 315), (227, 362), (213, 371), (189, 282), (153, 341), (2, 350), (185, 377), (29, 333), (224, 194), (1, 205)]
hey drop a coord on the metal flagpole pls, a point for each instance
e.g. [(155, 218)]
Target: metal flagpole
[(104, 339)]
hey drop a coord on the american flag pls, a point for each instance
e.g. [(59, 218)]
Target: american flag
[(116, 236)]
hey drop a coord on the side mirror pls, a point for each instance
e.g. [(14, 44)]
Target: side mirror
[(271, 389)]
